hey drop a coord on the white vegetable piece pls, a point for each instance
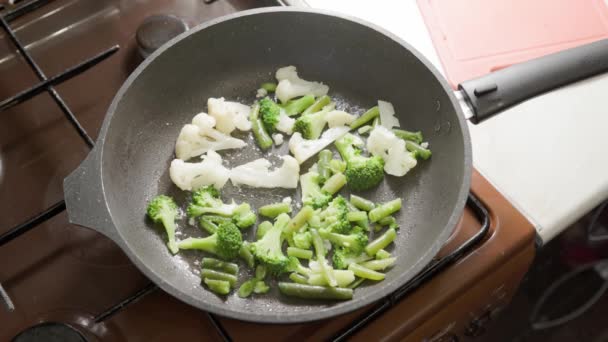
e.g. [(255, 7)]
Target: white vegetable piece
[(302, 149), (229, 115), (387, 114), (192, 176), (261, 93), (337, 118), (277, 138), (285, 123), (201, 136), (257, 174), (384, 143), (287, 200), (291, 85)]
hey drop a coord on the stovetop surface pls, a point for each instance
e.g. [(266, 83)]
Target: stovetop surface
[(58, 272)]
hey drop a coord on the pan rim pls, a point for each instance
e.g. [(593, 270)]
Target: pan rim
[(322, 312)]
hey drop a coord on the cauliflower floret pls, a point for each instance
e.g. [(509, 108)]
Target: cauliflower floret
[(384, 143), (191, 176), (200, 137), (229, 115), (387, 114), (285, 123), (291, 85), (257, 174), (337, 118), (261, 93), (277, 138), (303, 149)]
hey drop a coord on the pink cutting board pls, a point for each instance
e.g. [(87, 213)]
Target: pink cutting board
[(476, 37)]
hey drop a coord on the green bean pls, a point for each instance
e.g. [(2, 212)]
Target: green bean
[(334, 183), (297, 278), (419, 151), (384, 210), (317, 241), (297, 106), (211, 274), (263, 227), (218, 286), (382, 241), (356, 283), (299, 220), (269, 86), (382, 254), (315, 292), (361, 203), (247, 288), (259, 132), (364, 129), (260, 272), (364, 272), (245, 254), (299, 253), (220, 265), (389, 221), (407, 135), (366, 117), (379, 265), (343, 277), (318, 105), (356, 216), (261, 287), (323, 168), (275, 209)]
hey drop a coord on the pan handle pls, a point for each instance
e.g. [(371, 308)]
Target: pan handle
[(84, 199), (497, 91)]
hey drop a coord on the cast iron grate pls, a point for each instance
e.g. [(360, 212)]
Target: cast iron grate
[(46, 84)]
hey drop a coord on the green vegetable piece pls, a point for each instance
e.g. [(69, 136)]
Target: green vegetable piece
[(323, 167), (315, 292), (246, 289), (320, 253), (269, 113), (245, 254), (334, 183), (297, 278), (382, 254), (220, 287), (269, 86), (355, 241), (356, 216), (337, 165), (343, 277), (299, 220), (268, 249), (408, 136), (419, 151), (362, 173), (163, 209), (206, 200), (366, 273), (262, 229), (302, 240), (262, 137), (299, 253), (297, 106), (376, 122), (379, 265), (384, 210), (364, 129), (208, 224), (261, 287), (225, 243), (317, 105), (260, 272), (356, 283), (382, 241), (275, 209), (212, 274), (333, 217), (312, 195), (389, 221), (361, 203), (343, 257), (219, 265), (311, 125), (243, 216), (371, 114)]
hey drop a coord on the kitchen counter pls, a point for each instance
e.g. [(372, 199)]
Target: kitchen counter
[(557, 169)]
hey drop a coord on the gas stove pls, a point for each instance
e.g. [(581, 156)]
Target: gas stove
[(61, 63)]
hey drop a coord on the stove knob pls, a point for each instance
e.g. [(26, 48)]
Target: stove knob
[(156, 30)]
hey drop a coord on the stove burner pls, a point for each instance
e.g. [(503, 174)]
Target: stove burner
[(156, 30), (50, 332)]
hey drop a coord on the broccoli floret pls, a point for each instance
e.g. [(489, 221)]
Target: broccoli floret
[(268, 249), (206, 200), (344, 256), (311, 191), (243, 216), (311, 125), (226, 242), (355, 241), (269, 112), (361, 173), (302, 240), (333, 218), (163, 209)]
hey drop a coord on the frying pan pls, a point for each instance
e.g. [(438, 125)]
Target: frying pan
[(231, 57)]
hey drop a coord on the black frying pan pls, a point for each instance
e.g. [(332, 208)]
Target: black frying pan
[(231, 57)]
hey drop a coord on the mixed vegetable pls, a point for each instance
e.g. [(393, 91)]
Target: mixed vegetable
[(332, 244)]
